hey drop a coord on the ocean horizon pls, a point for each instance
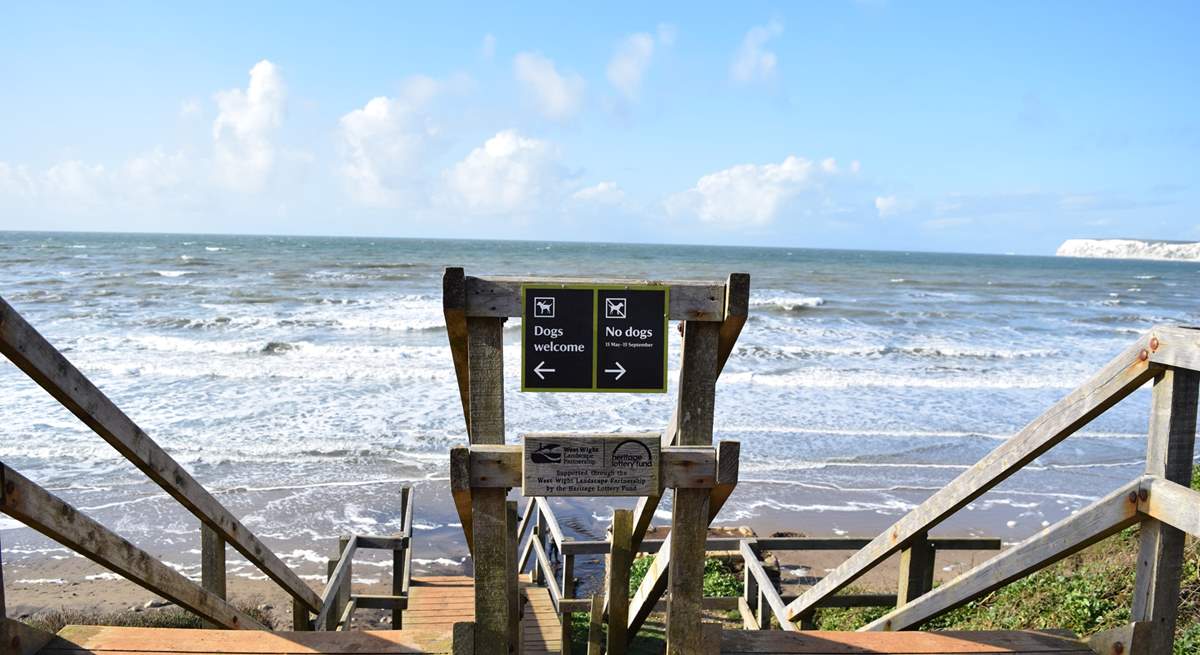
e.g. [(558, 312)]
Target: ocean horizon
[(305, 379)]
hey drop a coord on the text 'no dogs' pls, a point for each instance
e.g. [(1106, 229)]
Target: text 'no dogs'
[(594, 338)]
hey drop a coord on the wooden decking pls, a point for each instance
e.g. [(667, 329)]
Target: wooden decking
[(436, 604), (103, 640), (440, 602), (762, 642)]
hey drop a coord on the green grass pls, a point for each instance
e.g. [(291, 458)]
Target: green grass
[(168, 617), (719, 580)]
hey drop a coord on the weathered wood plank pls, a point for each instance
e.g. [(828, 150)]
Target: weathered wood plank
[(46, 366), (337, 587), (909, 643), (1106, 516), (463, 638), (460, 490), (105, 639), (552, 523), (692, 467), (485, 373), (512, 591), (491, 572), (596, 627), (454, 308), (690, 513), (1173, 504), (39, 509), (500, 297), (212, 564), (1170, 448), (1175, 345), (551, 582), (16, 638), (916, 569), (375, 542), (1120, 377), (380, 602), (594, 547), (619, 561), (766, 588), (1131, 638), (737, 308)]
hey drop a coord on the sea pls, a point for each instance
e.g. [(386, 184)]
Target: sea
[(306, 380)]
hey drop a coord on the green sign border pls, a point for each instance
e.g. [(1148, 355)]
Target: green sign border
[(596, 289)]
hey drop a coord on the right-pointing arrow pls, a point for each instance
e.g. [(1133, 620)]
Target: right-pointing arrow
[(540, 370), (619, 370)]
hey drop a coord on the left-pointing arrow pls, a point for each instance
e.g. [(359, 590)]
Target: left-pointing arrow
[(540, 369)]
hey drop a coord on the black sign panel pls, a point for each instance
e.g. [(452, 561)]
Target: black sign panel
[(558, 339), (631, 339)]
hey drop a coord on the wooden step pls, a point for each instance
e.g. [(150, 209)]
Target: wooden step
[(760, 642), (105, 640)]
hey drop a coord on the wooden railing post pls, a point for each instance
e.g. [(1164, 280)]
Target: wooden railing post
[(300, 620), (4, 637), (596, 626), (620, 558), (400, 559), (916, 569), (568, 575), (489, 530), (212, 564), (690, 517), (1169, 452), (539, 533), (513, 589)]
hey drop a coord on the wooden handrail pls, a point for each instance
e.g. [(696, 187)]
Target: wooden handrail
[(765, 586), (1102, 518), (596, 547), (46, 366), (551, 522), (39, 509), (1173, 504), (551, 584), (1119, 378), (337, 580), (500, 297)]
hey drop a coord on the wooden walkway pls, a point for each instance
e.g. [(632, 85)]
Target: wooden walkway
[(104, 640), (760, 642), (438, 603)]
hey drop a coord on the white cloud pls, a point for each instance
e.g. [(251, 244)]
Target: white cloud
[(753, 195), (385, 143), (558, 96), (508, 173), (628, 65), (244, 150), (887, 206), (753, 62), (189, 108), (488, 47), (604, 193)]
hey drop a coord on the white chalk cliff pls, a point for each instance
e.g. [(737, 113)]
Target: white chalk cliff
[(1130, 249)]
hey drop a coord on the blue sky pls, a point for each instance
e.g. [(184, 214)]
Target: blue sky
[(961, 126)]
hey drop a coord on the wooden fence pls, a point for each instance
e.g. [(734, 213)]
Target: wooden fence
[(475, 308), (39, 509), (761, 600), (1160, 500)]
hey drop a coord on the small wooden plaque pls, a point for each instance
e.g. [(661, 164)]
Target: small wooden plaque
[(591, 464)]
